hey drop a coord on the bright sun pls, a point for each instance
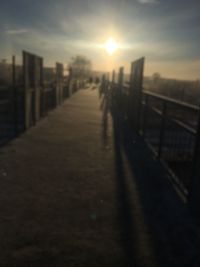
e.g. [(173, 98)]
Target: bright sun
[(111, 46)]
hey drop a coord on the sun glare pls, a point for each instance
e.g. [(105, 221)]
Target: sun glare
[(111, 46)]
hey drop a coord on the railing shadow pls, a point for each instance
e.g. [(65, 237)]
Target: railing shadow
[(169, 222), (124, 214), (104, 106), (131, 229)]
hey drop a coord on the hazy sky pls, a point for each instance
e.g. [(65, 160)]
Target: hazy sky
[(166, 32)]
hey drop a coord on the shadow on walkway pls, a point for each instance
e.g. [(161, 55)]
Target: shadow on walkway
[(104, 106), (157, 229), (134, 237), (125, 217)]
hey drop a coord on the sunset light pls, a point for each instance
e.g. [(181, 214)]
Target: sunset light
[(111, 46), (100, 133)]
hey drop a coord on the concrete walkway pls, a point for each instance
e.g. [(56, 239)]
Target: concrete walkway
[(76, 190)]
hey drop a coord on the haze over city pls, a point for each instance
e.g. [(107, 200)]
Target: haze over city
[(165, 32)]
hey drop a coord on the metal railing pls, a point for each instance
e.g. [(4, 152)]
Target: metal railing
[(170, 127), (6, 121), (19, 102), (48, 98)]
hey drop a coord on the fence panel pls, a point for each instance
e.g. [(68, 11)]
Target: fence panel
[(136, 80), (7, 119), (59, 82), (33, 82), (170, 127)]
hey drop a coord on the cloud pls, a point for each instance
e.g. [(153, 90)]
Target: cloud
[(16, 32), (148, 1)]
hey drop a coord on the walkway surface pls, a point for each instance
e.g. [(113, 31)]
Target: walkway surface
[(75, 190)]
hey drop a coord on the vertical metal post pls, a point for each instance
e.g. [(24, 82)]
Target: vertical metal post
[(113, 76), (42, 88), (194, 190), (34, 94), (15, 97), (113, 82), (120, 99), (24, 58), (197, 139), (112, 91), (136, 81), (106, 83), (145, 116), (162, 129), (120, 79)]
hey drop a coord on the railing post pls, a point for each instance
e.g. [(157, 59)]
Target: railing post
[(120, 99), (113, 82), (136, 81), (112, 91), (162, 129), (15, 97), (145, 116), (103, 85), (113, 76), (194, 192), (107, 82), (197, 140), (25, 92), (120, 80)]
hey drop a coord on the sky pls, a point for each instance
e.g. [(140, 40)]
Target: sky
[(165, 32)]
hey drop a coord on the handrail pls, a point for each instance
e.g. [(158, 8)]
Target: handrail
[(169, 126), (164, 98), (185, 126), (171, 100)]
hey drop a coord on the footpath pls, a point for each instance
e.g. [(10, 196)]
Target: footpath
[(77, 191)]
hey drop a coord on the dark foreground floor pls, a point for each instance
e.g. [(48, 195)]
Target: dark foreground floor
[(77, 191)]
